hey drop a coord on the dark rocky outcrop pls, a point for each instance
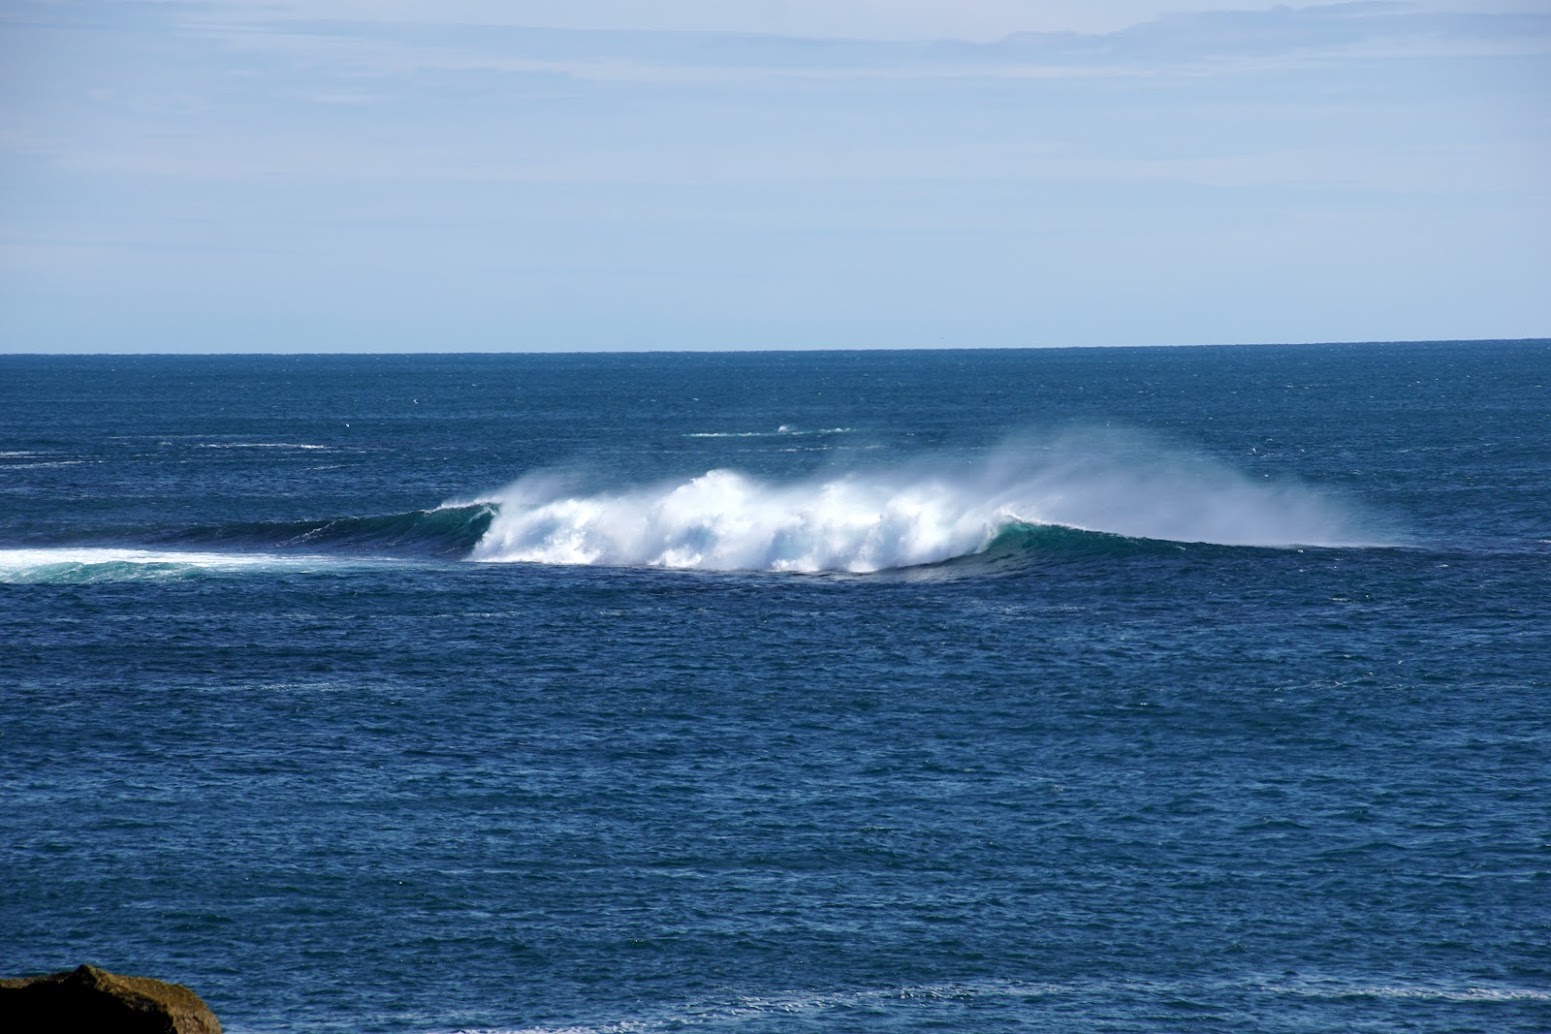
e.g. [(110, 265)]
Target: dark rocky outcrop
[(89, 1000)]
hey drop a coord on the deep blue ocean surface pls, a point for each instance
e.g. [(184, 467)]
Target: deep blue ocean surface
[(1198, 689)]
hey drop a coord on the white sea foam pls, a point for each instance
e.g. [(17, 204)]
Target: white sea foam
[(83, 564), (1422, 992), (924, 512), (262, 445), (43, 464), (735, 1011), (785, 430)]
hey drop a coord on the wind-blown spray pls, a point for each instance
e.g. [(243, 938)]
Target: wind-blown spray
[(919, 513)]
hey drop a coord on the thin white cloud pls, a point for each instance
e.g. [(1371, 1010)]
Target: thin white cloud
[(898, 20), (703, 175), (1219, 42), (981, 20), (359, 101)]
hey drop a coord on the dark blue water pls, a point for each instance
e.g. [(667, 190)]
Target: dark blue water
[(1123, 690)]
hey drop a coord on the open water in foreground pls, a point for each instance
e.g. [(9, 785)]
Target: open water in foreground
[(1117, 690)]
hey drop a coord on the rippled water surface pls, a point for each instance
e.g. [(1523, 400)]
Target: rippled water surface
[(1113, 690)]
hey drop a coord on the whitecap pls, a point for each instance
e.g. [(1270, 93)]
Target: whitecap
[(920, 513), (785, 430), (261, 445)]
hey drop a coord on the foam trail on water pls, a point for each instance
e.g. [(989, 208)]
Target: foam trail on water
[(918, 513), (88, 565)]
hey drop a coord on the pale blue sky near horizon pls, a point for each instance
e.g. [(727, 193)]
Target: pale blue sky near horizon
[(531, 175)]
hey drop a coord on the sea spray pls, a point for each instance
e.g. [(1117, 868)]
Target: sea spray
[(905, 515)]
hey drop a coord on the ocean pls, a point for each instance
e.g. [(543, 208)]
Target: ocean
[(1143, 690)]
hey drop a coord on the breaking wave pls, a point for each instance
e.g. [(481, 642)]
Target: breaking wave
[(1113, 496)]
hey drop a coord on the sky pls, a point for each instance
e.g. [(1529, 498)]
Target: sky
[(597, 175)]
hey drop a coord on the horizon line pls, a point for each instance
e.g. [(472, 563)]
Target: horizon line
[(796, 350)]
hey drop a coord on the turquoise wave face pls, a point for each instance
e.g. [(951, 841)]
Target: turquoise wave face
[(448, 531)]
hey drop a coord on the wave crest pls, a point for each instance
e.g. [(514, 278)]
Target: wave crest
[(925, 513), (723, 520)]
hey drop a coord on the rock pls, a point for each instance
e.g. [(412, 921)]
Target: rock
[(89, 1000)]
